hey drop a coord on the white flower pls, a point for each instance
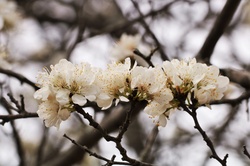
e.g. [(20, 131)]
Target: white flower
[(9, 16), (62, 87), (68, 79), (52, 112), (149, 85), (186, 77), (112, 83), (212, 87)]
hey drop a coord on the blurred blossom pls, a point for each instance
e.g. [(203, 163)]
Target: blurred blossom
[(3, 56), (9, 16), (125, 48)]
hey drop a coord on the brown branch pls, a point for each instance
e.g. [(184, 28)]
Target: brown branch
[(218, 29), (16, 135), (20, 77), (116, 140), (7, 118)]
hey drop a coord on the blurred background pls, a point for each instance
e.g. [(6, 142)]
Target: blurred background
[(39, 33)]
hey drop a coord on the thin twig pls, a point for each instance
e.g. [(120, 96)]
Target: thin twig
[(209, 143), (84, 148), (151, 33)]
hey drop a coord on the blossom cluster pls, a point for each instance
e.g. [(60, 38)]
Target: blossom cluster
[(8, 14), (164, 87)]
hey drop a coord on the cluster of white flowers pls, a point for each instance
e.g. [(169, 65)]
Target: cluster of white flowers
[(189, 77), (163, 87), (8, 14)]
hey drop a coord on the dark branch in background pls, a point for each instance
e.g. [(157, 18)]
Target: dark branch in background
[(124, 25), (240, 77), (20, 108), (149, 143), (245, 151), (147, 59), (84, 148), (41, 147), (20, 77), (218, 29), (16, 136), (149, 31), (209, 143), (80, 29)]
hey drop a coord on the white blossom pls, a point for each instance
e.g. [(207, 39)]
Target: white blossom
[(186, 77), (125, 48), (9, 17), (112, 83), (66, 84), (52, 112), (149, 84)]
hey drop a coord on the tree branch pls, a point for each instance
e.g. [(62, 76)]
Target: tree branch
[(20, 77), (209, 143), (218, 29)]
